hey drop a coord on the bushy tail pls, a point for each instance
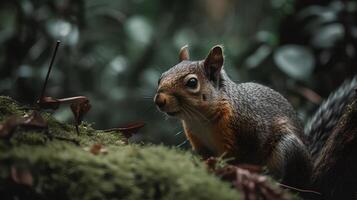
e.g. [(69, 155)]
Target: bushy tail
[(332, 133), (320, 126)]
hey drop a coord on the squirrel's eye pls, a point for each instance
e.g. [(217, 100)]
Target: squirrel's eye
[(192, 83)]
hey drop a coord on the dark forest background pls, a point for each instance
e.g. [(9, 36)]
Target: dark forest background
[(113, 51)]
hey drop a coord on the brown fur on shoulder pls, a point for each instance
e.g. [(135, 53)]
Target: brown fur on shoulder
[(223, 134)]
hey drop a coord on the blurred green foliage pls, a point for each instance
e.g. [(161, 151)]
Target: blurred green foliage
[(113, 51)]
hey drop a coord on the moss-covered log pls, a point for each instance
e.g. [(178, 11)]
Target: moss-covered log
[(56, 163)]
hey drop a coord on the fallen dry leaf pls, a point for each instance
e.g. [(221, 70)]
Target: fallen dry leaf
[(21, 176), (34, 120), (252, 185), (53, 103), (129, 130), (79, 108), (246, 179), (98, 149), (48, 103), (7, 128), (79, 105)]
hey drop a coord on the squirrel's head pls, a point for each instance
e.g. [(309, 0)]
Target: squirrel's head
[(188, 89)]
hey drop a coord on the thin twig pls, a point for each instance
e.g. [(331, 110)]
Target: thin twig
[(299, 190), (49, 71)]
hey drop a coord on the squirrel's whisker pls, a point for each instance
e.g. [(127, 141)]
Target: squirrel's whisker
[(182, 143), (178, 133), (190, 114), (148, 99), (194, 113), (194, 110), (187, 113), (148, 108), (197, 112)]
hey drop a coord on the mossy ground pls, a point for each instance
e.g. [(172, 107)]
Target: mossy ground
[(62, 169)]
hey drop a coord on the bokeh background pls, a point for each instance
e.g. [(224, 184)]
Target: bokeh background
[(113, 51)]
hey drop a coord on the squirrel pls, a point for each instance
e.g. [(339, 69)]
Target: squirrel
[(248, 122)]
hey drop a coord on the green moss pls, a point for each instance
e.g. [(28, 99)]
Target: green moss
[(57, 130), (29, 137), (89, 136), (63, 170), (126, 172), (8, 107)]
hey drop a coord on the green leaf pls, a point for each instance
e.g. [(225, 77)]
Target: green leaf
[(139, 30), (258, 56), (295, 60), (328, 35)]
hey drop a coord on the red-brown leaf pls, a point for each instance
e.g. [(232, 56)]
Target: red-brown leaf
[(53, 103), (79, 108), (34, 120), (7, 128), (98, 149), (21, 176), (252, 185), (49, 103), (129, 130)]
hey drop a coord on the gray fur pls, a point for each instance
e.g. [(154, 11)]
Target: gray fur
[(257, 111), (319, 127), (295, 166)]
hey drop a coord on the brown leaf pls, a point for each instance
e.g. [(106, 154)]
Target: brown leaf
[(49, 103), (211, 163), (7, 128), (75, 99), (21, 176), (252, 185), (98, 149), (79, 106), (79, 109), (129, 130), (53, 103), (251, 168), (34, 120)]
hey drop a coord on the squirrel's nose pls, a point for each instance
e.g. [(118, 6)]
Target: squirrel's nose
[(160, 100)]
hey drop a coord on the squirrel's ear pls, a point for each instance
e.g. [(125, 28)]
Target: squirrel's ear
[(214, 62), (184, 55)]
